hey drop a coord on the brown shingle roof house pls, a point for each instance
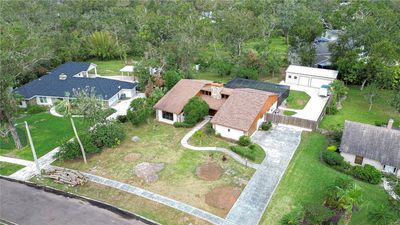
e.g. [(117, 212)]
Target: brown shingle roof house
[(235, 112)]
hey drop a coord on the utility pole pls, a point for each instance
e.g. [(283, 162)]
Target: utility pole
[(33, 149)]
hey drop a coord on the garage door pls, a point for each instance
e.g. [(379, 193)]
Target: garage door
[(315, 82), (304, 81)]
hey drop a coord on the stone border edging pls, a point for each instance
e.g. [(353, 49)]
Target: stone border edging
[(121, 212)]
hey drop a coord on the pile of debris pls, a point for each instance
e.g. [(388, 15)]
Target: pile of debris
[(64, 176)]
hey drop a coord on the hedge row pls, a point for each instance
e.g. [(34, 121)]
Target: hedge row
[(365, 173)]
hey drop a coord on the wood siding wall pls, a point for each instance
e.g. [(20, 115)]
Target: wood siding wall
[(270, 101)]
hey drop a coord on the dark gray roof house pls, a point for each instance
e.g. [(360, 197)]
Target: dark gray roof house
[(378, 143), (69, 76)]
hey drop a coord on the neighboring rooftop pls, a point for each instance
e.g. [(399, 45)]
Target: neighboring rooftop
[(241, 108), (52, 85), (312, 71), (377, 143), (281, 90)]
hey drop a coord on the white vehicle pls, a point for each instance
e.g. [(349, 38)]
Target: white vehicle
[(324, 91)]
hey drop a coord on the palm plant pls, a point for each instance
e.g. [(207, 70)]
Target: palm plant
[(347, 199)]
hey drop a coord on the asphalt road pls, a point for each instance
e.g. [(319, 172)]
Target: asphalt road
[(22, 205)]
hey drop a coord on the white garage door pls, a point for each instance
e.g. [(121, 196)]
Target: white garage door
[(304, 81), (315, 82)]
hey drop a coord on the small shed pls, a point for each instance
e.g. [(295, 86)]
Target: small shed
[(309, 76), (127, 69)]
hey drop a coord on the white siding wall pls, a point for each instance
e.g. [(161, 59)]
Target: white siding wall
[(273, 107), (128, 92), (227, 132), (113, 100), (22, 104), (306, 80), (161, 119), (48, 103)]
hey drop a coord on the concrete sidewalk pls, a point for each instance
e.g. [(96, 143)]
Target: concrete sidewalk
[(280, 144)]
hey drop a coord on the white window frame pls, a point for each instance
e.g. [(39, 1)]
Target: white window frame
[(43, 100)]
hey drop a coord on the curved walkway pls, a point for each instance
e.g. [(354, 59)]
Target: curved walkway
[(185, 139)]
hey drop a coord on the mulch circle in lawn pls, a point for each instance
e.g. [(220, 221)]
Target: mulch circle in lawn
[(210, 171), (223, 197), (131, 157)]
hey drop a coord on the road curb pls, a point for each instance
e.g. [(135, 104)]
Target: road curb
[(121, 212)]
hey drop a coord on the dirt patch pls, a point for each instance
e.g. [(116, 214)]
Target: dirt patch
[(223, 197), (148, 171), (300, 101), (210, 171), (131, 157)]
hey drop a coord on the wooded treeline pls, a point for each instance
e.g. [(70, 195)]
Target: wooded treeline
[(38, 35)]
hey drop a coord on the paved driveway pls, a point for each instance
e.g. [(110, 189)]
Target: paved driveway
[(22, 204), (280, 144), (122, 106), (315, 105)]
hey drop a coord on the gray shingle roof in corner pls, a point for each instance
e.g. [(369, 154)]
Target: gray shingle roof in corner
[(378, 143), (51, 85)]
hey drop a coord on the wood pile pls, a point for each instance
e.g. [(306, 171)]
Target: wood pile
[(64, 176)]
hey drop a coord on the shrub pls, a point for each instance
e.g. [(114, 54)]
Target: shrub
[(367, 173), (332, 158), (33, 109), (266, 126), (317, 214), (332, 148), (107, 135), (244, 140), (69, 150), (209, 129), (331, 110), (397, 189), (292, 218), (195, 110), (245, 152), (379, 215), (222, 68), (122, 118), (245, 72), (183, 124), (138, 111), (88, 144), (198, 134)]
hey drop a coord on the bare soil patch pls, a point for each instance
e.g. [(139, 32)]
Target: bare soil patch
[(210, 171), (223, 197), (148, 171), (131, 157)]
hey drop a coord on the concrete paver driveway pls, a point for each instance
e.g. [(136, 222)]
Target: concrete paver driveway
[(280, 144), (21, 204)]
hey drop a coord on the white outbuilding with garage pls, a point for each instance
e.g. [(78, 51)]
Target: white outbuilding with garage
[(309, 76)]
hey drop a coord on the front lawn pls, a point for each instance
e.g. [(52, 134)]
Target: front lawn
[(141, 206), (355, 108), (160, 143), (7, 169), (297, 99), (306, 180), (47, 133)]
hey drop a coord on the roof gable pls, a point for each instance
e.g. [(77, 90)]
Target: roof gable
[(377, 143)]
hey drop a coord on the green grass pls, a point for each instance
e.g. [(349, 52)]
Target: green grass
[(355, 108), (47, 133), (289, 113), (178, 180), (306, 180), (8, 142), (255, 154), (9, 168), (297, 99), (141, 206), (108, 67)]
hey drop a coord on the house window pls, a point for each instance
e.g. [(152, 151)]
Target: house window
[(229, 130), (167, 116), (358, 160), (290, 76), (295, 77), (43, 100)]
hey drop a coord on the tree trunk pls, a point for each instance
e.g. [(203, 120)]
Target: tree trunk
[(370, 106), (239, 46), (14, 135), (287, 37), (79, 140), (347, 218), (363, 84)]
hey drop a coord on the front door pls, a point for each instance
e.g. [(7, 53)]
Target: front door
[(389, 169)]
